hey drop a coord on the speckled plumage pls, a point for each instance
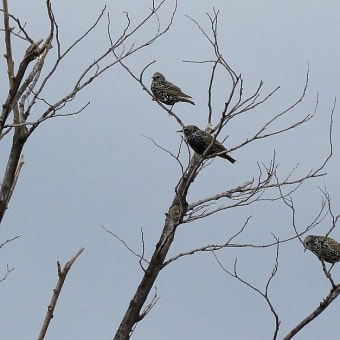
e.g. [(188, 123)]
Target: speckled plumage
[(325, 248), (166, 92), (200, 140)]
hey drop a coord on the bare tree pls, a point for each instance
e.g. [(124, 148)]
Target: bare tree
[(29, 81), (26, 95), (267, 187)]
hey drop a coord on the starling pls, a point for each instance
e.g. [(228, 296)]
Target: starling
[(325, 248), (200, 140), (166, 92)]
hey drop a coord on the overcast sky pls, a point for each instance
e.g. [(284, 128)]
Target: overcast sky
[(97, 169)]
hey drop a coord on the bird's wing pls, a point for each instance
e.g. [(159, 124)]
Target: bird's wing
[(185, 95), (333, 244), (219, 145), (176, 91)]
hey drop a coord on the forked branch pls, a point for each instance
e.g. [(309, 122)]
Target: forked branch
[(62, 273)]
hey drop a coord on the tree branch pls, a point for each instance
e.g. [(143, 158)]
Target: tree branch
[(332, 295), (62, 273)]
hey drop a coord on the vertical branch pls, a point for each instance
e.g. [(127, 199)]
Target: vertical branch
[(179, 205), (17, 86), (210, 91), (16, 175), (8, 55), (62, 273), (9, 179)]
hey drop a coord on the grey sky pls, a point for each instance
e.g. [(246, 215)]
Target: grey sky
[(97, 169)]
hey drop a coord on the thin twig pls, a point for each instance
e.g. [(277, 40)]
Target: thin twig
[(62, 273)]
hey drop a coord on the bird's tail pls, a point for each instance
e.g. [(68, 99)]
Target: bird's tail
[(182, 99), (229, 158)]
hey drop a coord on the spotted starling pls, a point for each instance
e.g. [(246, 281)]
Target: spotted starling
[(200, 140), (325, 248), (166, 92)]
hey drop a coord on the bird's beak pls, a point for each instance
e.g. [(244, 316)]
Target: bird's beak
[(179, 131), (305, 250)]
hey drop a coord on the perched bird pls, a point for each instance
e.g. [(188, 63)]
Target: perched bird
[(166, 92), (325, 248), (200, 140)]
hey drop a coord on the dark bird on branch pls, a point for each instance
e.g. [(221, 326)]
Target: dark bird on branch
[(200, 140), (166, 92), (325, 248)]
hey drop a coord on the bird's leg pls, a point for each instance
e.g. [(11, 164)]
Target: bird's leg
[(329, 270)]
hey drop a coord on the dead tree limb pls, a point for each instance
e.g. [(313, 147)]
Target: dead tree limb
[(62, 273)]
